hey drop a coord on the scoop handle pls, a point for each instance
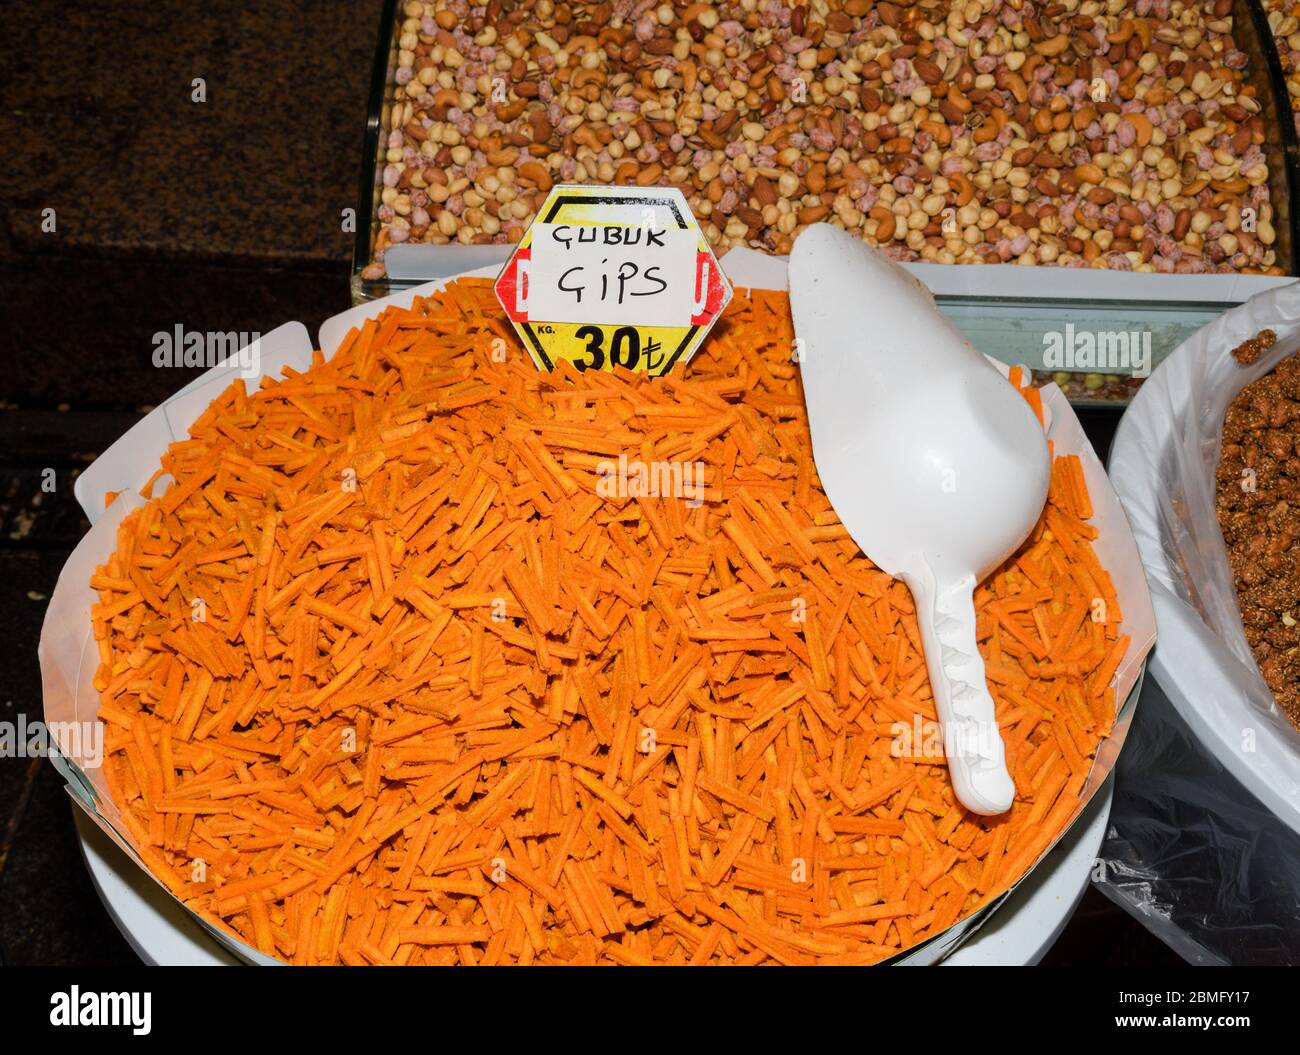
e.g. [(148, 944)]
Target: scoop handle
[(976, 754)]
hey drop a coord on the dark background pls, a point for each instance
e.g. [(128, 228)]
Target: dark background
[(223, 215)]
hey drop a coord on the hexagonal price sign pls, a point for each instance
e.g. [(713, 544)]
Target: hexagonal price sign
[(613, 276)]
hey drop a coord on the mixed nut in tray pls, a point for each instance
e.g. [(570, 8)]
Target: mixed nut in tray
[(1118, 135), (1284, 21), (1083, 387)]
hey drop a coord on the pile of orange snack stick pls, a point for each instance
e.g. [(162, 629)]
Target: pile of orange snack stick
[(396, 670)]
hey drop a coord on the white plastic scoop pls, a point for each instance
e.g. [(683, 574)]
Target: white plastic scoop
[(937, 467)]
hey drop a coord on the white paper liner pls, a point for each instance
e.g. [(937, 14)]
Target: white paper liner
[(69, 658)]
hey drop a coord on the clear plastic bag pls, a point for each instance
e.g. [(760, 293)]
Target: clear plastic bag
[(1206, 836), (1206, 866)]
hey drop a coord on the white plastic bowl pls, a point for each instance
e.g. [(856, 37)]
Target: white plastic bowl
[(1161, 466)]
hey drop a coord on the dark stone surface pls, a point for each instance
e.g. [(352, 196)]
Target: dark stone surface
[(223, 215), (52, 914), (80, 332), (49, 911), (98, 124)]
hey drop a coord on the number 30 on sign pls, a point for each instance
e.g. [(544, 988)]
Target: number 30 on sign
[(613, 276)]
